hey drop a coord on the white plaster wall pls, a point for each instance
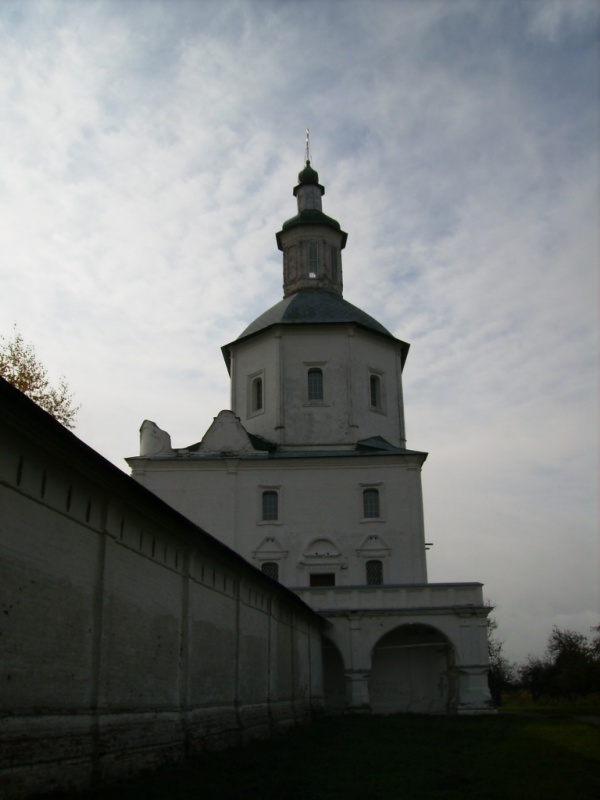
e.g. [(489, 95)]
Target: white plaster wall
[(259, 357), (401, 680), (318, 498), (346, 354), (199, 493)]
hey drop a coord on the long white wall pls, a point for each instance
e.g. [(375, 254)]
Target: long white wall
[(128, 636)]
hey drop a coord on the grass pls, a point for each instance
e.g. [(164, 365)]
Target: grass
[(522, 702), (391, 758)]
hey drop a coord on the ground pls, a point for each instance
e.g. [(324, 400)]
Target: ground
[(414, 757)]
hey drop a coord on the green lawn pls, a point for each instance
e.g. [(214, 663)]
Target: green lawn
[(390, 758)]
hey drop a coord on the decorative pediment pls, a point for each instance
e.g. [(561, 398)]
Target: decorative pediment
[(322, 548), (226, 436), (321, 553), (269, 550), (154, 441), (374, 547)]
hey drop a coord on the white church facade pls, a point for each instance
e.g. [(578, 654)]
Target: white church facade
[(308, 478)]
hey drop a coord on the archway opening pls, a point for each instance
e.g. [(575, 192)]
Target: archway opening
[(412, 672), (334, 681)]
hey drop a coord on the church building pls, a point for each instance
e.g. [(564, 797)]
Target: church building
[(308, 477)]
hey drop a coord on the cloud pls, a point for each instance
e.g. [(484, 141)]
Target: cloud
[(149, 151)]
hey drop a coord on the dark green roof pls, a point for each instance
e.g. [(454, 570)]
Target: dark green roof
[(311, 216), (313, 306)]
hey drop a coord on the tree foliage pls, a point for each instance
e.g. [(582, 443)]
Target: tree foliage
[(569, 668), (20, 366)]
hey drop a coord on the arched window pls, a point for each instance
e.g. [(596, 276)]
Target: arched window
[(315, 383), (374, 571), (313, 259), (371, 508), (270, 506), (375, 391), (271, 569), (257, 394)]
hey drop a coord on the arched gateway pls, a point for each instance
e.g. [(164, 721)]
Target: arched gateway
[(412, 671)]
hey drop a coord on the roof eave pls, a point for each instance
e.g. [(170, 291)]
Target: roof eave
[(404, 346)]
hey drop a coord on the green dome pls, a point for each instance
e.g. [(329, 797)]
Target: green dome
[(308, 175), (311, 216)]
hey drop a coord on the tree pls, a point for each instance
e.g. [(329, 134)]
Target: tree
[(537, 676), (501, 674), (569, 668), (20, 366)]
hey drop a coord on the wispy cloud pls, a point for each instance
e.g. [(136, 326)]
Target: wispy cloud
[(149, 150)]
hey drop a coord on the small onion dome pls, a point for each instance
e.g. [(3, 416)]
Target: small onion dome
[(308, 177)]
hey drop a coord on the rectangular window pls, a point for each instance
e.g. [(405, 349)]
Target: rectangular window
[(257, 394), (371, 508), (322, 579), (271, 569), (374, 573), (270, 506), (315, 383), (375, 391)]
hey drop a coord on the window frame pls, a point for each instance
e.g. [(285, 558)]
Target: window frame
[(375, 487), (377, 379), (379, 563), (254, 380), (269, 510), (371, 503), (261, 492), (308, 367), (273, 567), (320, 388)]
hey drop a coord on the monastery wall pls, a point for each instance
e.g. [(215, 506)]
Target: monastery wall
[(129, 636)]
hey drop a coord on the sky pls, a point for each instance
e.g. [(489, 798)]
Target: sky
[(149, 150)]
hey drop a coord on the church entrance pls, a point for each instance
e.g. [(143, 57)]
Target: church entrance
[(334, 681), (411, 672)]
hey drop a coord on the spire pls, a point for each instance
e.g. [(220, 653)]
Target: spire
[(311, 241), (308, 177)]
